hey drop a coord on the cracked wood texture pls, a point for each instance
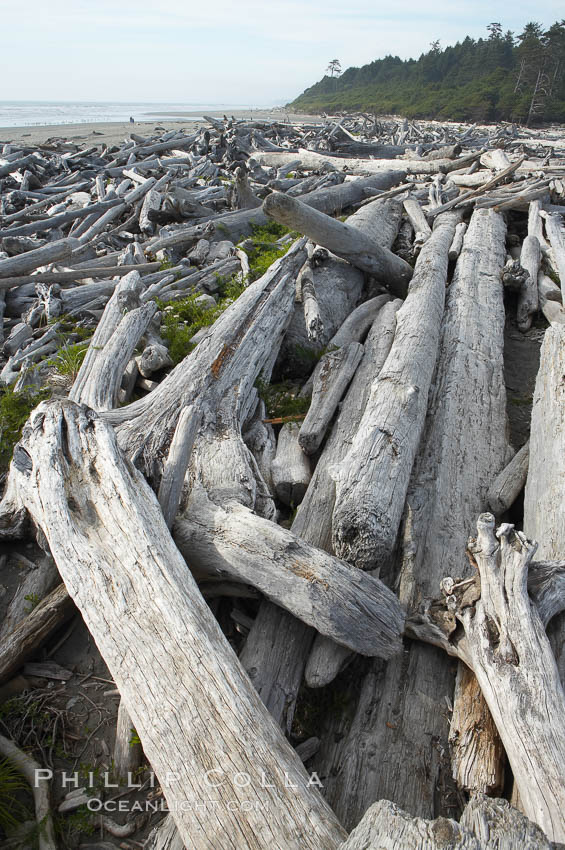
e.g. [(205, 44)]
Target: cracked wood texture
[(189, 698), (486, 824), (353, 608), (545, 485), (397, 745), (516, 670), (371, 481)]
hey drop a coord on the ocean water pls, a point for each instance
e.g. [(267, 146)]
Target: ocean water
[(19, 113)]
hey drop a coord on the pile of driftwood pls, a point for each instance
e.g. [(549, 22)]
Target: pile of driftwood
[(149, 506)]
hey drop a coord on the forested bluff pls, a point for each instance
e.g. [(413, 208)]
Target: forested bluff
[(503, 77)]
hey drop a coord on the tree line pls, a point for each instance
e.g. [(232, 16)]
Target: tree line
[(501, 77)]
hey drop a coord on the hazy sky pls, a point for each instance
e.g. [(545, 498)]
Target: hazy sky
[(223, 51)]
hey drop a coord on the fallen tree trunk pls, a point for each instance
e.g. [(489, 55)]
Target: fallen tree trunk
[(85, 496), (347, 242), (332, 200), (544, 493), (372, 479), (512, 659), (468, 387), (485, 824), (351, 607)]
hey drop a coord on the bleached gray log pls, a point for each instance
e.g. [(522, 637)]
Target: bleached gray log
[(144, 590), (554, 313), (174, 468), (274, 665), (128, 753), (165, 836), (38, 582), (495, 159), (31, 260), (290, 469), (59, 220), (457, 244), (554, 230), (305, 286), (486, 824), (512, 659), (509, 483), (528, 301), (353, 608), (547, 289), (155, 355), (417, 219), (372, 479), (125, 296), (246, 200), (468, 387), (499, 826), (25, 638), (313, 519), (544, 494), (113, 343), (152, 201), (338, 288), (347, 242), (332, 379), (291, 641), (310, 160), (217, 377), (260, 439), (331, 200)]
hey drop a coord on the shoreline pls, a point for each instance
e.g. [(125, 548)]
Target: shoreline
[(114, 132)]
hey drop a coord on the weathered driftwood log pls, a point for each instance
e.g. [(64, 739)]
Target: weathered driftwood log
[(347, 242), (486, 824), (128, 752), (556, 238), (418, 220), (152, 625), (229, 358), (371, 480), (457, 244), (305, 287), (469, 387), (338, 289), (314, 518), (543, 498), (246, 200), (274, 665), (512, 659), (113, 343), (508, 484), (353, 608), (28, 635), (528, 301), (290, 469), (329, 385), (39, 581), (331, 200), (29, 261), (291, 642), (313, 161), (477, 754), (176, 464)]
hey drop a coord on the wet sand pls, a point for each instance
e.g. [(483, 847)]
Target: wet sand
[(114, 133)]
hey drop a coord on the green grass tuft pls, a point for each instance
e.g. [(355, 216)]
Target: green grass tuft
[(282, 399), (15, 408)]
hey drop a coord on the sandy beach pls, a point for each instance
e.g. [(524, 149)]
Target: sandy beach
[(112, 133)]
